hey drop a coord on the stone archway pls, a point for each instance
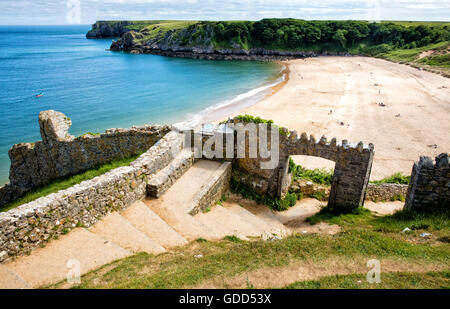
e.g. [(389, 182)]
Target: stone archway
[(353, 163)]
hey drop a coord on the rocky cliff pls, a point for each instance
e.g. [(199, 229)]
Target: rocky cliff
[(186, 44), (108, 29), (186, 40)]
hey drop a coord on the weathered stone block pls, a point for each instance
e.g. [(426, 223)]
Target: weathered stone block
[(430, 183)]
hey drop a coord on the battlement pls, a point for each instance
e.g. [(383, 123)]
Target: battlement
[(352, 169)]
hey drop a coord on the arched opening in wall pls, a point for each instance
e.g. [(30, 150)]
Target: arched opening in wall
[(311, 176)]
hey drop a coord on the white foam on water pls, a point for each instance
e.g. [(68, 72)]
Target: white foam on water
[(229, 107)]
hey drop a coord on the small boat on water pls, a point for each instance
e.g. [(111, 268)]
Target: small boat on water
[(39, 95)]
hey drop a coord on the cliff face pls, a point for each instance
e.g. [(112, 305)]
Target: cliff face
[(108, 29), (176, 40), (185, 40), (185, 43)]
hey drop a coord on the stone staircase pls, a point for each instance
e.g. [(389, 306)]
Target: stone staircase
[(181, 208), (165, 178)]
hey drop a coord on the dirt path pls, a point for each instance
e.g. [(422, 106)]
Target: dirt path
[(278, 277), (404, 112)]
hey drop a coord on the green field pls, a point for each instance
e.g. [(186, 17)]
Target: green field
[(420, 23)]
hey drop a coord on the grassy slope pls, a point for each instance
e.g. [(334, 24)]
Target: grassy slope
[(439, 60), (363, 237), (66, 182), (152, 29)]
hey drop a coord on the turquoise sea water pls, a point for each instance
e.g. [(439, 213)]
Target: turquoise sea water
[(99, 89)]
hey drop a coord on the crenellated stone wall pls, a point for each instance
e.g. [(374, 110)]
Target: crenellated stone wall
[(429, 188), (352, 168), (351, 174), (59, 154)]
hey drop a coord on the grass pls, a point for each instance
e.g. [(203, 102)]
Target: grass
[(420, 23), (232, 238), (158, 28), (440, 58), (437, 222), (397, 178), (398, 197), (363, 237), (320, 196), (394, 280), (320, 176), (257, 120), (67, 182), (409, 55)]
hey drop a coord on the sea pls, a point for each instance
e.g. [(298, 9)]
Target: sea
[(56, 67)]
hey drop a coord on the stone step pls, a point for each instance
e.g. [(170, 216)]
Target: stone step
[(11, 280), (50, 264), (186, 187), (144, 219), (225, 222), (165, 178), (260, 224), (186, 225), (303, 209), (212, 190), (161, 154), (174, 205), (266, 214), (119, 230)]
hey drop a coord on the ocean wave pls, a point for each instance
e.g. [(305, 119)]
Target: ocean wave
[(227, 108)]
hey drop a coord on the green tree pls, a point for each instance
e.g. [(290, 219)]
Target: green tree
[(339, 36), (267, 35)]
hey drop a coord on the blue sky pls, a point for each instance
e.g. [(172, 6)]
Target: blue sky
[(28, 12)]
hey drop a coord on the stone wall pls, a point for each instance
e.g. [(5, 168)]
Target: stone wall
[(385, 192), (351, 174), (32, 225), (308, 188), (59, 154), (375, 192), (429, 188)]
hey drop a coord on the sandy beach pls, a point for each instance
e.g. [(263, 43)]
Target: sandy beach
[(403, 111)]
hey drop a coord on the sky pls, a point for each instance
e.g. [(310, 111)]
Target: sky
[(46, 12)]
